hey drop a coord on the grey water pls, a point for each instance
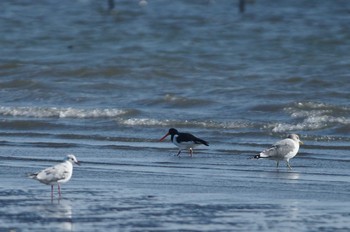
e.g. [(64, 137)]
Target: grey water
[(106, 84)]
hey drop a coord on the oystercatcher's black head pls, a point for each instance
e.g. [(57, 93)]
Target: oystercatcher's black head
[(172, 131)]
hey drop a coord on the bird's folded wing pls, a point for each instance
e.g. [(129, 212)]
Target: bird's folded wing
[(280, 148), (53, 174)]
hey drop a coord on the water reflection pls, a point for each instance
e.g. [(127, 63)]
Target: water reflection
[(290, 175), (58, 214), (278, 174)]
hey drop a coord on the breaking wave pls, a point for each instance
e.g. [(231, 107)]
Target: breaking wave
[(186, 123), (314, 116), (57, 112)]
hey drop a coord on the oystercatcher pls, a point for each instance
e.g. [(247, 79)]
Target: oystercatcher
[(55, 175), (284, 149), (184, 140)]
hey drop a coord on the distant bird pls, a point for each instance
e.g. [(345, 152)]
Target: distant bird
[(56, 175), (111, 4), (185, 141), (241, 5), (284, 149)]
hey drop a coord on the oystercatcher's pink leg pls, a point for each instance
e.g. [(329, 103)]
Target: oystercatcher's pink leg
[(59, 190), (51, 191), (191, 152), (178, 154)]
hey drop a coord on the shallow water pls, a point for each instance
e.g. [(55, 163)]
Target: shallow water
[(106, 85)]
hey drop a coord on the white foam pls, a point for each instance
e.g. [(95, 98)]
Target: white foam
[(59, 112), (314, 116), (185, 123), (144, 122)]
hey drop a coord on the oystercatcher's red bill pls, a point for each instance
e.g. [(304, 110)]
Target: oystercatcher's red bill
[(164, 137)]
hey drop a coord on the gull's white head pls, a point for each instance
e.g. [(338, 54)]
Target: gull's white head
[(295, 137), (71, 158)]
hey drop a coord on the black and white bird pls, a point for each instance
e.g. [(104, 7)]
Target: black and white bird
[(56, 175), (284, 149), (185, 141)]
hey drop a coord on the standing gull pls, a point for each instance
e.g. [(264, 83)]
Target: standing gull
[(58, 174), (284, 149), (185, 141)]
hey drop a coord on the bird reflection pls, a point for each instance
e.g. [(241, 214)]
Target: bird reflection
[(58, 213), (281, 175)]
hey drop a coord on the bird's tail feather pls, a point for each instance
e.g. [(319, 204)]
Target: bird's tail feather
[(263, 155), (203, 142), (256, 157), (32, 175)]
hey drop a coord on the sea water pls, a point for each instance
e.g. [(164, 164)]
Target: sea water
[(107, 84)]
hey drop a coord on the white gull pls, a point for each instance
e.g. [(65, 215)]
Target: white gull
[(56, 175), (284, 149)]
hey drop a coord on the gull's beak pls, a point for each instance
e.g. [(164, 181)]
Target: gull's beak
[(164, 137), (301, 143), (77, 163)]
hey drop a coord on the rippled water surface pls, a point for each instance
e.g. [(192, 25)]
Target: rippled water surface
[(107, 84)]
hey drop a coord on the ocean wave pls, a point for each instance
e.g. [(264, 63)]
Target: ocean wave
[(178, 101), (61, 112), (301, 107), (186, 123), (23, 83), (314, 116)]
